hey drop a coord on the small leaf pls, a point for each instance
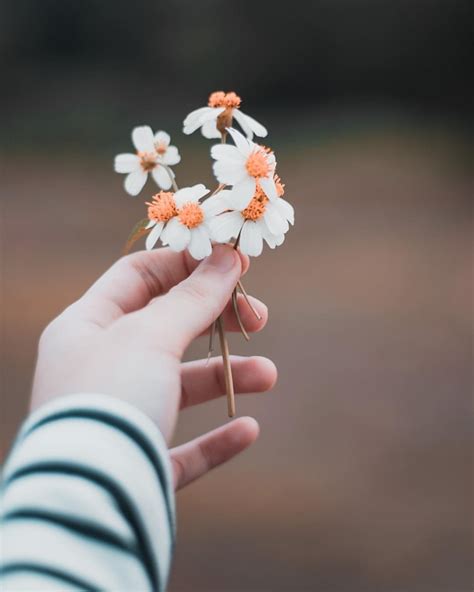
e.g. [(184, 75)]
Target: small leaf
[(137, 232)]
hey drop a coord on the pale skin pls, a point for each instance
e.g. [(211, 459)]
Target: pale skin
[(125, 337)]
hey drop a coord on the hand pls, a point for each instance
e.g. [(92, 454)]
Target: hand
[(126, 336)]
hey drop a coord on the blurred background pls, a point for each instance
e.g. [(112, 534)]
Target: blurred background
[(361, 479)]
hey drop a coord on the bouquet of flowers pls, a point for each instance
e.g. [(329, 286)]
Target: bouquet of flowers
[(246, 208)]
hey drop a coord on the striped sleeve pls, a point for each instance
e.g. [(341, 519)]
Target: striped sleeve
[(87, 500)]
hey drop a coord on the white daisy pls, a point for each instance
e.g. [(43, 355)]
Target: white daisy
[(260, 220), (217, 117), (181, 221), (153, 151), (244, 165)]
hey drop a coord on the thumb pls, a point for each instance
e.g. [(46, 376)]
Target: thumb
[(193, 305)]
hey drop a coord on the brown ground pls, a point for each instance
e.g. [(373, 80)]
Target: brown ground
[(361, 478)]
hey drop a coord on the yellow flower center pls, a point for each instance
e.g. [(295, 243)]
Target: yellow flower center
[(257, 164), (256, 208), (191, 214), (163, 207), (147, 161)]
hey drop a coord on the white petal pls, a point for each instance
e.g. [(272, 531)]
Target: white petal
[(135, 181), (269, 188), (193, 193), (171, 156), (229, 172), (285, 209), (161, 177), (154, 236), (276, 223), (208, 114), (215, 205), (195, 115), (200, 243), (176, 235), (126, 163), (245, 189), (240, 141), (226, 226), (142, 138), (251, 242), (209, 130), (150, 224), (256, 127), (162, 138), (238, 198), (227, 152), (239, 116)]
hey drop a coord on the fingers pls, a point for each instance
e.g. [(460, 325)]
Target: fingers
[(197, 457), (202, 382), (249, 320), (189, 308), (136, 279)]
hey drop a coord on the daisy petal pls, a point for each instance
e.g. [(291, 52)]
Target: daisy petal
[(285, 209), (126, 163), (268, 186), (150, 224), (216, 204), (256, 127), (251, 242), (193, 193), (276, 223), (135, 181), (228, 172), (209, 130), (240, 141), (245, 189), (142, 138), (162, 138), (176, 235), (240, 117), (238, 198), (227, 152), (195, 115), (200, 243), (171, 156), (154, 236), (161, 177), (226, 226)]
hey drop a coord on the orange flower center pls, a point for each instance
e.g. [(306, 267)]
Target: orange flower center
[(191, 214), (147, 161), (256, 208), (257, 164), (160, 148), (280, 187), (229, 100), (163, 207)]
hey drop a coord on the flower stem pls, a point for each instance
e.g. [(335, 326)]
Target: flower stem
[(229, 383), (171, 176)]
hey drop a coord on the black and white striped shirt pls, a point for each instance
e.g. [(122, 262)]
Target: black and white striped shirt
[(87, 500)]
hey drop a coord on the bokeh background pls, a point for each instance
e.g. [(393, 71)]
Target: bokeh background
[(361, 479)]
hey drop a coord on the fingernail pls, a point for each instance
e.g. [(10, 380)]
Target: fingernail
[(222, 257)]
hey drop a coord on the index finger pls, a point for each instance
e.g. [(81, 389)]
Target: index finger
[(134, 280)]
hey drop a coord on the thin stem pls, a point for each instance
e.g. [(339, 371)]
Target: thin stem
[(235, 306), (171, 176), (212, 334), (229, 383), (240, 286)]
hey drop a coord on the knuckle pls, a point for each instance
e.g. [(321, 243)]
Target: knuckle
[(195, 293), (153, 277)]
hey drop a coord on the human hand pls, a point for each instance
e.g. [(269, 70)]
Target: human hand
[(126, 336)]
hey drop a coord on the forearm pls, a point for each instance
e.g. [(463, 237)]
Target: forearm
[(88, 499)]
